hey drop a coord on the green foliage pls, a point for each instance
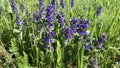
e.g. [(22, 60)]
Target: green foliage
[(18, 40)]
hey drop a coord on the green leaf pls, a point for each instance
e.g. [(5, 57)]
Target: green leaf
[(16, 31), (59, 55)]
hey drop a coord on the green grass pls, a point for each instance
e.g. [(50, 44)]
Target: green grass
[(27, 55)]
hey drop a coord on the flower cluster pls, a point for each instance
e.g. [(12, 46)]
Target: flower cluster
[(87, 44), (81, 25), (50, 14), (99, 10), (61, 19), (41, 6), (14, 6), (19, 21), (49, 36), (62, 3), (72, 3), (41, 3), (101, 40), (37, 15), (77, 26), (69, 32), (22, 7)]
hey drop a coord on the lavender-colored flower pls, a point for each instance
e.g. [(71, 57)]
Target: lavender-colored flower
[(72, 3), (61, 20), (22, 7), (101, 40), (37, 15), (74, 22), (80, 24), (62, 3), (49, 41), (41, 3), (49, 36), (14, 6), (69, 32), (27, 14), (50, 14), (88, 46), (19, 21), (99, 10), (53, 2)]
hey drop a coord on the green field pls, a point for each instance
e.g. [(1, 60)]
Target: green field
[(59, 33)]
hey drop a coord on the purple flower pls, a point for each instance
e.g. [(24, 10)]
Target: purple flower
[(69, 32), (19, 21), (50, 14), (27, 14), (80, 25), (62, 3), (37, 16), (101, 40), (22, 7), (61, 20), (87, 47), (41, 3), (72, 3), (53, 2), (14, 6), (99, 10), (49, 41), (49, 36)]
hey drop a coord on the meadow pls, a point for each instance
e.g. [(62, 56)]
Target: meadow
[(59, 33)]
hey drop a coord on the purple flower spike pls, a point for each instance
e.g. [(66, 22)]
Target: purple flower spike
[(19, 21), (14, 6), (50, 14), (72, 3), (87, 47), (49, 36), (80, 25), (69, 32), (36, 15), (49, 41), (99, 10), (62, 3), (61, 20), (41, 3), (22, 7)]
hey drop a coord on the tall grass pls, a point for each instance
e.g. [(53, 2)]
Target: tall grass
[(22, 46)]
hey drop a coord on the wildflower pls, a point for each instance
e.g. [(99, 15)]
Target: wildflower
[(72, 3), (69, 32), (62, 3), (61, 20), (53, 2), (49, 36), (27, 14), (22, 7), (99, 10), (101, 40), (80, 24), (14, 6), (19, 21), (50, 14), (37, 16), (41, 3), (88, 46)]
